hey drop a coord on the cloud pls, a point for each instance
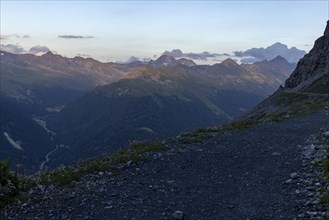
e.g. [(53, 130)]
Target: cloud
[(202, 56), (12, 48), (38, 50), (135, 59), (83, 55), (132, 59), (307, 45), (199, 58), (7, 37), (10, 36), (194, 56), (74, 37), (17, 49), (249, 60)]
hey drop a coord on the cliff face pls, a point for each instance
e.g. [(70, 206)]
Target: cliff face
[(306, 90), (312, 66)]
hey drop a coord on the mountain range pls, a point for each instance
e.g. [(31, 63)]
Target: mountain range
[(292, 55), (75, 108)]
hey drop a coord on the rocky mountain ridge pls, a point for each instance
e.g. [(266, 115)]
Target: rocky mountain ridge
[(312, 66), (279, 67)]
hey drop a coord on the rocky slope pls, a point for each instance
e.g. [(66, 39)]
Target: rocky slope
[(257, 173), (312, 66)]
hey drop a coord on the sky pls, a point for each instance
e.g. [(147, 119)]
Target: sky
[(117, 30)]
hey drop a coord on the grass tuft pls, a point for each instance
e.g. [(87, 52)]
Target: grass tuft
[(324, 199), (134, 154), (232, 126), (326, 168), (11, 184)]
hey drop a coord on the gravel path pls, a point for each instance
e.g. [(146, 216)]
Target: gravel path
[(235, 175)]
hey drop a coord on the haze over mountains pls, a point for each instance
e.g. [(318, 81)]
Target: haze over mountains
[(73, 108), (252, 55)]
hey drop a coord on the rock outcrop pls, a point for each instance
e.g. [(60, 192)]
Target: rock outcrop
[(312, 66)]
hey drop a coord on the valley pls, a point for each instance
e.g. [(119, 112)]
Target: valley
[(97, 108)]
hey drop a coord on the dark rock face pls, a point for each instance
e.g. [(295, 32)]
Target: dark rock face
[(326, 32), (313, 65)]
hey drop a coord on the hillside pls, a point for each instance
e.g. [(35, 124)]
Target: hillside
[(54, 94), (35, 87), (157, 102), (278, 67)]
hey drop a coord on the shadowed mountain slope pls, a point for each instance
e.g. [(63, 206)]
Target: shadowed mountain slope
[(149, 103), (139, 101)]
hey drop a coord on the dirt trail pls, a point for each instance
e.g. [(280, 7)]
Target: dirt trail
[(235, 175)]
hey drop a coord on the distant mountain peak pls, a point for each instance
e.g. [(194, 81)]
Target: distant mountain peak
[(278, 45), (229, 61), (163, 60), (186, 62), (175, 53), (48, 54), (165, 57), (292, 55), (279, 59)]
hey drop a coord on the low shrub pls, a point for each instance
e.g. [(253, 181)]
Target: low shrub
[(11, 184)]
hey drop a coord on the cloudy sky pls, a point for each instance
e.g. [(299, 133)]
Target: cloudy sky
[(117, 30)]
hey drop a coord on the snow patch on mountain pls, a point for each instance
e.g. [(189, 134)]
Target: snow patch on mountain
[(15, 144)]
